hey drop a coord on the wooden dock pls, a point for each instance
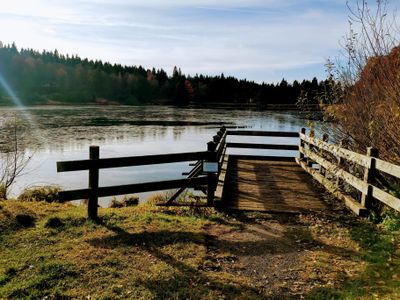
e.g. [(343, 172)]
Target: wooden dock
[(279, 186), (283, 184)]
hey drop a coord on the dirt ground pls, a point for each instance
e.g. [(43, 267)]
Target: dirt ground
[(286, 256)]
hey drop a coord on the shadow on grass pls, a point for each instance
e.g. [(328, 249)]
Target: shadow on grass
[(295, 237), (188, 281), (381, 274), (193, 282)]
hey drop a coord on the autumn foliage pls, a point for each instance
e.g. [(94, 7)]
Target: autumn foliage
[(370, 111)]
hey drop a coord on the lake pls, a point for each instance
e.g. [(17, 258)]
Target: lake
[(66, 132)]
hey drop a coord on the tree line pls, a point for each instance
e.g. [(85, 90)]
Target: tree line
[(49, 77)]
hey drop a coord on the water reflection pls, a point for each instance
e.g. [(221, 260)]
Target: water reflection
[(127, 131)]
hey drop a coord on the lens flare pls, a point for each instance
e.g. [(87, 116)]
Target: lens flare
[(21, 108)]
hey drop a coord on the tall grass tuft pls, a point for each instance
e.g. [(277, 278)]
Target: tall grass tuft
[(42, 193), (126, 201)]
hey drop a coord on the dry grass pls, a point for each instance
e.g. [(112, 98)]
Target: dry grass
[(136, 252), (147, 252), (40, 193)]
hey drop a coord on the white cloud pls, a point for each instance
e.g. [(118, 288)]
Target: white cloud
[(236, 37)]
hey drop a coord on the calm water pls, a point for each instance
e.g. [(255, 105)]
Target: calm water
[(65, 133)]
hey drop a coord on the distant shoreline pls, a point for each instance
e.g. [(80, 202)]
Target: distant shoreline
[(213, 105)]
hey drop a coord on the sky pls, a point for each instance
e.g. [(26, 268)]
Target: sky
[(260, 40)]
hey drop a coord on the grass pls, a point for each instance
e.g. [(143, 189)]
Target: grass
[(41, 193), (138, 252), (50, 250), (378, 257)]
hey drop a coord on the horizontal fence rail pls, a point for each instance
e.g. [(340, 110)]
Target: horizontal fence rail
[(133, 188), (223, 158), (312, 151), (263, 146), (196, 178), (104, 163), (264, 133)]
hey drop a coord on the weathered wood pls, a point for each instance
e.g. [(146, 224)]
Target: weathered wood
[(339, 164), (78, 165), (325, 138), (270, 186), (369, 162), (221, 147), (386, 198), (388, 168), (310, 147), (193, 173), (263, 146), (264, 133), (211, 176), (351, 203), (221, 156), (261, 157), (335, 170), (369, 177), (336, 150), (94, 154), (302, 143), (134, 188), (219, 192)]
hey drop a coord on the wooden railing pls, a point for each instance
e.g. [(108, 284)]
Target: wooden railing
[(313, 151), (263, 146), (225, 159), (210, 169), (197, 177)]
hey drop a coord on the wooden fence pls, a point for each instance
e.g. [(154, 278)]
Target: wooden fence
[(197, 177), (313, 150), (224, 160), (210, 168)]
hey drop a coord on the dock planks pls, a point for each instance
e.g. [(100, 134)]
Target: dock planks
[(270, 186)]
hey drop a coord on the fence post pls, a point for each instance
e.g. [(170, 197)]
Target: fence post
[(339, 164), (302, 144), (325, 138), (94, 154), (211, 176), (310, 148), (369, 176)]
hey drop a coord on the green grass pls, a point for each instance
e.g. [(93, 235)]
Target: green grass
[(135, 252), (50, 250), (380, 253)]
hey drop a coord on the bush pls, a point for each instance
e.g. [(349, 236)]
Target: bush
[(44, 193), (54, 222), (3, 192), (125, 202), (391, 220), (158, 198), (25, 220)]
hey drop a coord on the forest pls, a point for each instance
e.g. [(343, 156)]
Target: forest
[(49, 77)]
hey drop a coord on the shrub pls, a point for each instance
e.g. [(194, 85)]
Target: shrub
[(44, 193), (25, 220), (54, 222), (125, 202), (367, 105), (3, 192), (157, 198)]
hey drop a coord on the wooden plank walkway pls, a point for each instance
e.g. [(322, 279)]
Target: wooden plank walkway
[(270, 186)]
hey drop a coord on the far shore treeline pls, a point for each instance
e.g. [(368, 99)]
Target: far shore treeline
[(49, 77)]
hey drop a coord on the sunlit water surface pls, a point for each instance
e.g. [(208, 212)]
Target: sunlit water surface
[(65, 133)]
